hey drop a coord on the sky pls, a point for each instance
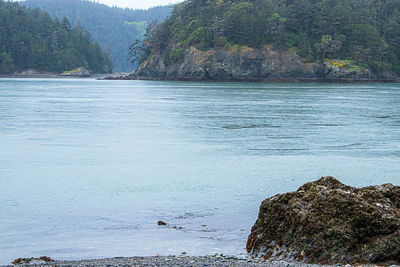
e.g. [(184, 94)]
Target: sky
[(138, 4)]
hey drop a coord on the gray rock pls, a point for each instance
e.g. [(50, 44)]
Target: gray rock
[(329, 222), (250, 64), (79, 72)]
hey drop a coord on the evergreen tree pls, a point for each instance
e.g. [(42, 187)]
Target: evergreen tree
[(363, 32), (112, 27), (30, 39)]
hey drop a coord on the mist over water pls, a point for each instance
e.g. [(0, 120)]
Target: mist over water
[(87, 167)]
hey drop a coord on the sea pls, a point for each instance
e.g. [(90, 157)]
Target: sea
[(88, 167)]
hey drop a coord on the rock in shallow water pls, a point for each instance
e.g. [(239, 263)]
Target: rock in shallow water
[(328, 222)]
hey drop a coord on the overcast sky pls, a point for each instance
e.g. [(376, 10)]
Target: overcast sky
[(138, 4)]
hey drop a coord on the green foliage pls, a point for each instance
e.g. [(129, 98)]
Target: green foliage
[(237, 48), (6, 63), (199, 37), (138, 53), (31, 39), (221, 41), (140, 26), (112, 27), (367, 32), (174, 56)]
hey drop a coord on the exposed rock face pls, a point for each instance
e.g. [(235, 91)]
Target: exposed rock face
[(328, 222), (79, 72), (249, 64)]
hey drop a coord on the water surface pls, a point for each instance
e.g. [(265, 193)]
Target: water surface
[(87, 167)]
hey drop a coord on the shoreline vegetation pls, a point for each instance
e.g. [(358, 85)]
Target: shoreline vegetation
[(83, 73), (130, 76), (273, 41), (32, 40), (114, 28), (68, 74)]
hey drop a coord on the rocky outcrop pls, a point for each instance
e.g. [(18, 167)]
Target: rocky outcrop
[(250, 64), (79, 73), (328, 222), (119, 76), (32, 261)]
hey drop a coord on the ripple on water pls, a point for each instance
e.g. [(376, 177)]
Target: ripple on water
[(249, 126), (190, 215), (87, 168)]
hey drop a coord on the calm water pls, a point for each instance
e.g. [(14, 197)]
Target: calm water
[(87, 167)]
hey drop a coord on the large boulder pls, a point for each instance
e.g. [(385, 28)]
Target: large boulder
[(328, 222)]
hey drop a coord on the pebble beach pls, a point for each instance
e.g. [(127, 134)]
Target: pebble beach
[(182, 260), (216, 260)]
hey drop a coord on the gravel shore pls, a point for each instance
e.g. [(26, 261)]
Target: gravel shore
[(187, 261)]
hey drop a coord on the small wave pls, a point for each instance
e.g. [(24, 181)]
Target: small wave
[(189, 215), (284, 137), (278, 149), (120, 227), (377, 116), (344, 146), (10, 203), (383, 117), (328, 124), (212, 238), (61, 251), (250, 126)]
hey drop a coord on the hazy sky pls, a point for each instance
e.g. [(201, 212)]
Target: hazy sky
[(140, 4)]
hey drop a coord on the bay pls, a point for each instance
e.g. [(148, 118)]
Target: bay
[(88, 167)]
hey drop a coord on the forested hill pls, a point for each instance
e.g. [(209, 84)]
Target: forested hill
[(112, 27), (364, 33), (31, 39)]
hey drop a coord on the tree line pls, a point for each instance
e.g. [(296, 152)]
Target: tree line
[(31, 39), (366, 32), (113, 28)]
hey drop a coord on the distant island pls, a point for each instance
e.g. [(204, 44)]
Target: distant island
[(32, 42), (267, 40), (113, 28)]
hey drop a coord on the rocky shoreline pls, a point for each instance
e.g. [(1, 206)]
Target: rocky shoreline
[(182, 260), (132, 76), (77, 73), (264, 64), (324, 222), (48, 76)]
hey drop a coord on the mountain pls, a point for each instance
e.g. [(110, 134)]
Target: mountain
[(31, 39), (275, 39), (115, 29)]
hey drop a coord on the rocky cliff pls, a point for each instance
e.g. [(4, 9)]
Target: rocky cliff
[(328, 222), (253, 64)]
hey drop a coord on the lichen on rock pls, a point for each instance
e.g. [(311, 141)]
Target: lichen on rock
[(78, 72), (250, 64), (328, 222)]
